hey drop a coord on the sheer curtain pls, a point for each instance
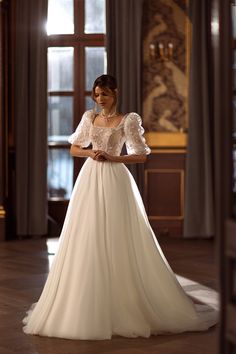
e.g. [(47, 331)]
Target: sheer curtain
[(124, 53), (31, 116), (199, 204)]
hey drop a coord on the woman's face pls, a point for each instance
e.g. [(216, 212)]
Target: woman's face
[(104, 98)]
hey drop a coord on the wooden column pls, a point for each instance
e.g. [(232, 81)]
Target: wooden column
[(4, 11)]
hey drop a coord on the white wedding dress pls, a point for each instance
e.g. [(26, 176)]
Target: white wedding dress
[(109, 276)]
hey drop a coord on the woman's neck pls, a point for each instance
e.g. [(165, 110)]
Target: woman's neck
[(108, 113)]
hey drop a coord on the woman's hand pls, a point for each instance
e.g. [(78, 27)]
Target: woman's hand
[(100, 155), (97, 155), (92, 154)]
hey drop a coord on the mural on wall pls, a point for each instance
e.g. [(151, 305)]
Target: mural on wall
[(165, 65)]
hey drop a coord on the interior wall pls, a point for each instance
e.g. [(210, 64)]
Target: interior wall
[(165, 80), (166, 59)]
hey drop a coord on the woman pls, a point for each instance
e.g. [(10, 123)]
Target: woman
[(109, 276)]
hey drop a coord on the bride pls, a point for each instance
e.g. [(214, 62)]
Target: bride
[(109, 276)]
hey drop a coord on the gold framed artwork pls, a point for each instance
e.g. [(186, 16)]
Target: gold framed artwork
[(166, 59)]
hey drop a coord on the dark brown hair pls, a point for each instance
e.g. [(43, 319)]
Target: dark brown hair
[(107, 83)]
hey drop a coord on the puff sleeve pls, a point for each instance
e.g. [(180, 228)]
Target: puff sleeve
[(135, 142), (81, 136)]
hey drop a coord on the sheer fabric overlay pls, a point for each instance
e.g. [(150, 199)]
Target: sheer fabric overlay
[(109, 276)]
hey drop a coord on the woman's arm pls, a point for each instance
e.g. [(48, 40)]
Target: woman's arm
[(77, 151), (99, 155), (127, 159)]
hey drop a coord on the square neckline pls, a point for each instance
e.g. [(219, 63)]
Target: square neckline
[(117, 126)]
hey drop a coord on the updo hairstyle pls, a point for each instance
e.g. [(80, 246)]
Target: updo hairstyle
[(108, 83)]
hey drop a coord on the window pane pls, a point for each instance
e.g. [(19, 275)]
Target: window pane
[(95, 64), (95, 9), (60, 118), (89, 103), (60, 173), (60, 17), (60, 68)]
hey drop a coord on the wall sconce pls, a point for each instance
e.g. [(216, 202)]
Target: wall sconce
[(161, 51)]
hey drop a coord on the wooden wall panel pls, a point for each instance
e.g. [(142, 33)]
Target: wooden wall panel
[(164, 190), (164, 193)]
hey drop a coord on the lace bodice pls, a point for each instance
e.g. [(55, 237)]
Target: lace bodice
[(111, 140)]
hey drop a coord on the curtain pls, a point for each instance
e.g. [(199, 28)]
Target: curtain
[(199, 203), (31, 117), (124, 53), (124, 45)]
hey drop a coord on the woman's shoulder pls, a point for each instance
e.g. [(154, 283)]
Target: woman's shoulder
[(132, 118), (132, 115), (88, 115)]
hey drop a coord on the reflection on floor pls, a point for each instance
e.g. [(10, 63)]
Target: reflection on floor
[(52, 246)]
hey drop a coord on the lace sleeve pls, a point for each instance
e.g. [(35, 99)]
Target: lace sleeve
[(81, 135), (135, 142)]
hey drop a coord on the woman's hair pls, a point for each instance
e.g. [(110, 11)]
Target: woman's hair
[(108, 83)]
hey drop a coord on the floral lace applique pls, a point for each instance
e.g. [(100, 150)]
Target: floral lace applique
[(135, 141), (111, 140), (81, 136)]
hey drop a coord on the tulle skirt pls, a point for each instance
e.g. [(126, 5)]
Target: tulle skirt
[(109, 276)]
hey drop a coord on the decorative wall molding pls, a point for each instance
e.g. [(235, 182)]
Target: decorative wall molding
[(166, 140)]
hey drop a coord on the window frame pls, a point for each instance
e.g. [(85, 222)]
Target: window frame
[(79, 40)]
